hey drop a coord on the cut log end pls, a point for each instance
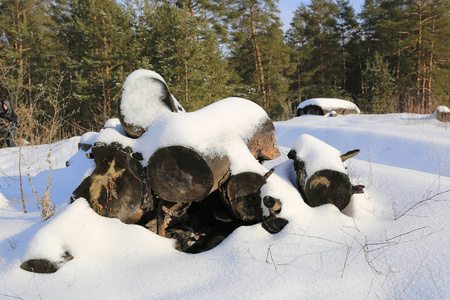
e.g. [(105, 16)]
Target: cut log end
[(242, 195), (328, 186), (179, 174), (115, 187), (263, 145)]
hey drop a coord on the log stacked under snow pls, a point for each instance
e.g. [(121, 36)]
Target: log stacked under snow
[(321, 175), (443, 113), (195, 177)]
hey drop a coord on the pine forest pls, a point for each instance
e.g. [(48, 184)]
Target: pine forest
[(63, 62)]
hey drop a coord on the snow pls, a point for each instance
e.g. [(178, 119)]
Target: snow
[(142, 96), (329, 104), (390, 242), (443, 109), (217, 129), (317, 155)]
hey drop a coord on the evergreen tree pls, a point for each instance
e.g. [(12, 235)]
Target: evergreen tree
[(314, 32), (181, 45), (380, 86), (97, 35), (258, 53)]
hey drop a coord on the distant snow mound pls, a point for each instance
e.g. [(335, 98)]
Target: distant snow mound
[(4, 203), (323, 106)]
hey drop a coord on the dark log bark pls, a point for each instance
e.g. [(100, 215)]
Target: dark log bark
[(324, 186), (263, 145), (241, 194), (44, 266), (443, 114), (274, 205), (160, 98), (320, 111), (178, 173), (273, 224), (115, 188)]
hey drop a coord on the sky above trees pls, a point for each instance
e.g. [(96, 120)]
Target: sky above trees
[(287, 8)]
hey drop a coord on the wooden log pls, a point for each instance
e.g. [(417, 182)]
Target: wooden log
[(273, 224), (319, 183), (241, 194), (263, 145), (178, 173), (443, 113), (274, 205), (44, 266), (115, 188), (145, 97)]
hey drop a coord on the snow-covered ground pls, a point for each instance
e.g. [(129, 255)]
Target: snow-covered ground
[(391, 242)]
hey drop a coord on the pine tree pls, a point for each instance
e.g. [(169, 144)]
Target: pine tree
[(314, 34), (380, 86), (258, 53), (97, 36)]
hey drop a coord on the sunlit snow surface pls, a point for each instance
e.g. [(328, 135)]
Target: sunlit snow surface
[(390, 242)]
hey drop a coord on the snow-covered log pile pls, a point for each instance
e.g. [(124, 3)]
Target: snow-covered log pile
[(443, 113), (325, 106), (197, 176)]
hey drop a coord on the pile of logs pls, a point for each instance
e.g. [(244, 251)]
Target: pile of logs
[(182, 192)]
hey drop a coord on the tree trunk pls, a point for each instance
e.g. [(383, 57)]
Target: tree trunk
[(258, 58)]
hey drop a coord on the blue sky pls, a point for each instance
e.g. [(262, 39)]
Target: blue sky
[(287, 8)]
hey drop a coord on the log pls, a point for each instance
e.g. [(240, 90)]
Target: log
[(273, 224), (145, 97), (45, 266), (263, 145), (443, 113), (274, 205), (241, 194), (178, 173), (321, 174), (115, 188)]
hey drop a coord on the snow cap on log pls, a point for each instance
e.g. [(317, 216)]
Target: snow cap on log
[(115, 124), (317, 155), (219, 129), (145, 98), (443, 113), (323, 106), (112, 136), (321, 174)]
